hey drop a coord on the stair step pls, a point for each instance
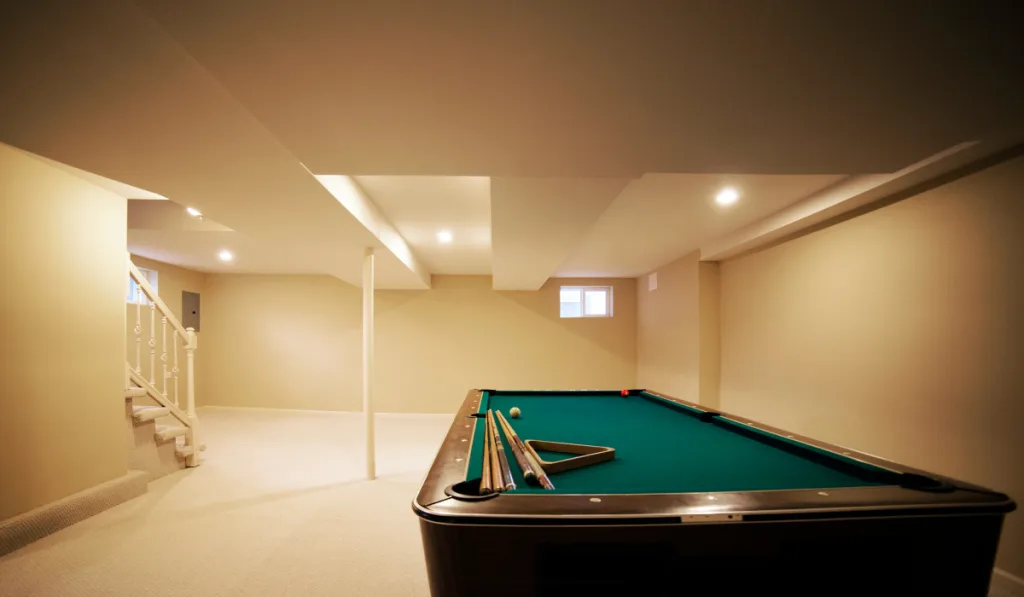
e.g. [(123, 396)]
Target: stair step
[(184, 451), (166, 432), (133, 392), (147, 413)]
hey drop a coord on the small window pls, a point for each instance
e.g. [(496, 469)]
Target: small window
[(151, 276), (585, 301)]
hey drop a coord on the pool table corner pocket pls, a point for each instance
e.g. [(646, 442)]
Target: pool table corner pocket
[(468, 491)]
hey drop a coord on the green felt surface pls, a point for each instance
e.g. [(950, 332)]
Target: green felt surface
[(659, 448)]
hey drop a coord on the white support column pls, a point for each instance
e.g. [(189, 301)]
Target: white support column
[(190, 373), (371, 467)]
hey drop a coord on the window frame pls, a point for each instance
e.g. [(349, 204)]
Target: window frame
[(609, 301), (152, 276)]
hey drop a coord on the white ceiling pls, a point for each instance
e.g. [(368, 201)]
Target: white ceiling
[(421, 206), (576, 88), (199, 250), (660, 217), (538, 221), (164, 231), (596, 132), (145, 113), (118, 188), (544, 227), (168, 216)]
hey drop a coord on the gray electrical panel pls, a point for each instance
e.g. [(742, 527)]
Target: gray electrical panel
[(190, 309)]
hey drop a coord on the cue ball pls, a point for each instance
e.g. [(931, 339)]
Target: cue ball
[(514, 412)]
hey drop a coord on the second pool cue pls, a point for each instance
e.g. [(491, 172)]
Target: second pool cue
[(542, 477), (486, 479), (531, 468), (504, 471), (496, 481), (519, 455)]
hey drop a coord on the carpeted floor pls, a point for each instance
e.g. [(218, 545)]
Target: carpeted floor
[(279, 507)]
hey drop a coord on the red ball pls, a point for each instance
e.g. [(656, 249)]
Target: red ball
[(625, 392)]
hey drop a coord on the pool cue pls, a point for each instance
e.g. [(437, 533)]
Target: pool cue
[(518, 453), (531, 468), (496, 481), (539, 475), (542, 477), (504, 471), (486, 480)]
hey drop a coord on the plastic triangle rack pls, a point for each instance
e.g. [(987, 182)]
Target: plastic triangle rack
[(586, 455)]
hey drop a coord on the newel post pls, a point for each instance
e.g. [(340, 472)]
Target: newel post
[(190, 368), (190, 394)]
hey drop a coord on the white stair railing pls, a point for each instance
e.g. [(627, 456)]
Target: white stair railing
[(180, 337)]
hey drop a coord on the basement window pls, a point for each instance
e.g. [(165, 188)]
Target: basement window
[(585, 301), (152, 276)]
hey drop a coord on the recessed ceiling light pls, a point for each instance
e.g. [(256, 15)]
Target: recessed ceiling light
[(193, 212), (444, 236), (727, 196), (225, 256)]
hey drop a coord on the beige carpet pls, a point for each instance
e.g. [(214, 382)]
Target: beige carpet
[(279, 507)]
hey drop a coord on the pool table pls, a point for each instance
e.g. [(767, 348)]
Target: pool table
[(696, 501)]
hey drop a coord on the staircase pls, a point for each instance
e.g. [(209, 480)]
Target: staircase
[(162, 436), (156, 444)]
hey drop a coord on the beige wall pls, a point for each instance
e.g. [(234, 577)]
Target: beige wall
[(280, 342), (62, 339), (677, 331), (433, 346), (709, 295), (899, 332), (295, 342), (668, 330)]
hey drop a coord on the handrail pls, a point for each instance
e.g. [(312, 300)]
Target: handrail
[(150, 293)]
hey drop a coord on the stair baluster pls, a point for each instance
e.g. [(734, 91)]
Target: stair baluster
[(174, 368), (138, 329), (163, 352), (152, 343)]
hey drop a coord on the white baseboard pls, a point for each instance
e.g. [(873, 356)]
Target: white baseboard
[(33, 525), (1007, 583), (323, 412)]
